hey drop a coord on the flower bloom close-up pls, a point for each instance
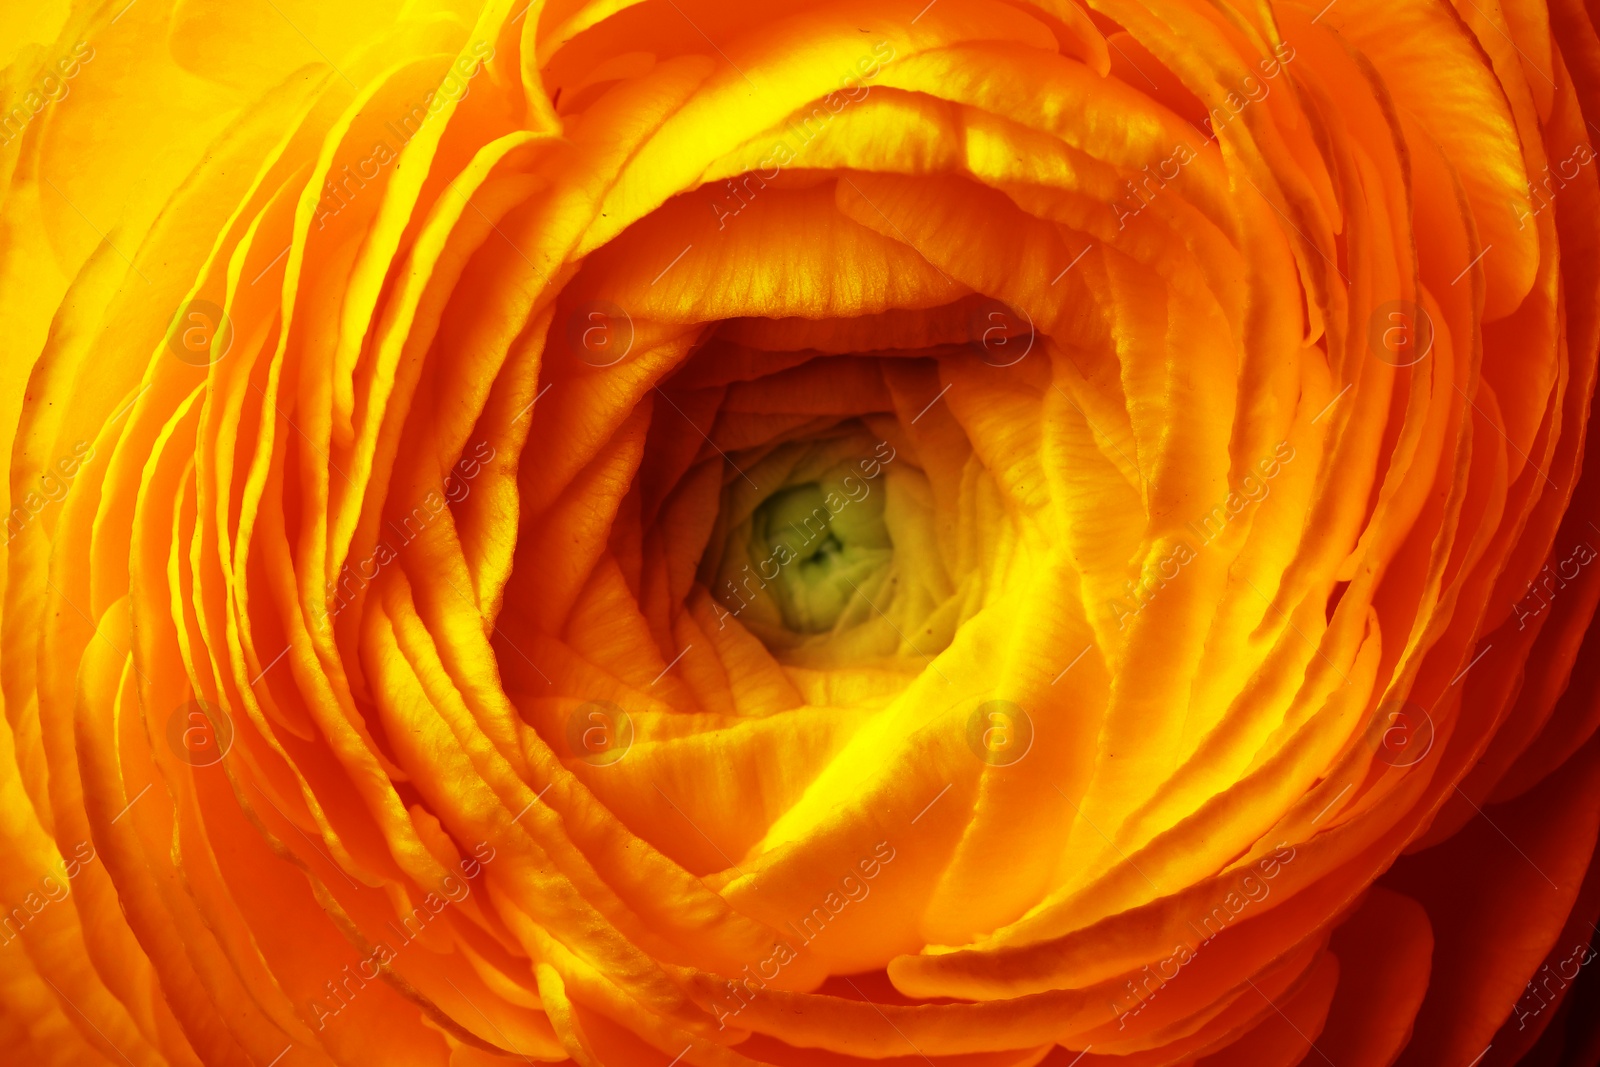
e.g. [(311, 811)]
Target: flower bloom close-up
[(694, 533)]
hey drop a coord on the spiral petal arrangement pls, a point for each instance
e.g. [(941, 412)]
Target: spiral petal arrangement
[(645, 532)]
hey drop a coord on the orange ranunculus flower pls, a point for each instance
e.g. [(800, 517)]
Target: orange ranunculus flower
[(977, 532)]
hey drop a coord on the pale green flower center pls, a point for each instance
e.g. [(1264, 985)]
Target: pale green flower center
[(817, 546)]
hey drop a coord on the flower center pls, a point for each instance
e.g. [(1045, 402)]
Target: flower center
[(818, 546), (826, 551)]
